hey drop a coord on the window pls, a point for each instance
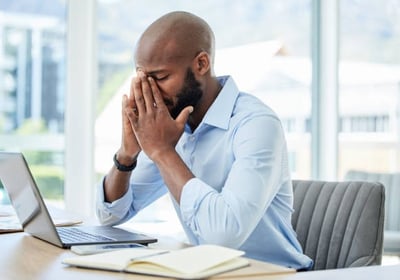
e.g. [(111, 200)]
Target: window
[(369, 80), (32, 88), (374, 124)]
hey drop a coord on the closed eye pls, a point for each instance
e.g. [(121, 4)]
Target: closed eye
[(160, 78)]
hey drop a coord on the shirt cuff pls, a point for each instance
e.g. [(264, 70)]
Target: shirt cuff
[(112, 212)]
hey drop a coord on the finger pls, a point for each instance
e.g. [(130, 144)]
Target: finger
[(147, 93), (138, 96), (124, 103), (132, 118), (132, 88), (127, 108), (158, 100), (132, 105), (184, 115), (131, 96)]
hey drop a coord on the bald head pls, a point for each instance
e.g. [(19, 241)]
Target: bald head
[(178, 35)]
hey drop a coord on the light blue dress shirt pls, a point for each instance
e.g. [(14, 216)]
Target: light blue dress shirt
[(241, 196)]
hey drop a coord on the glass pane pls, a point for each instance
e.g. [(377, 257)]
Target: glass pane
[(264, 45), (369, 147), (32, 87), (369, 86)]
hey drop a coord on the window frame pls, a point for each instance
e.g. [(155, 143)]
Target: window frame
[(80, 107)]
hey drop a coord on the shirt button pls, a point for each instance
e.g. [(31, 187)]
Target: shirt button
[(191, 138)]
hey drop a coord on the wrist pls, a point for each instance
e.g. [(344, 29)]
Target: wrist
[(124, 164), (125, 159), (162, 155)]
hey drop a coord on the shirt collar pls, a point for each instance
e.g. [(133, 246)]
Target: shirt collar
[(220, 111)]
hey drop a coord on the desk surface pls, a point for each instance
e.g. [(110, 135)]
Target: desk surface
[(25, 257)]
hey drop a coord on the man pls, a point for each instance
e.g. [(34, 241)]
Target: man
[(220, 153)]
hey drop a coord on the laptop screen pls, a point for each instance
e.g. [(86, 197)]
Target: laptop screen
[(25, 203)]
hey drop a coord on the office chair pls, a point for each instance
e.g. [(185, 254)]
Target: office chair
[(391, 181), (339, 224)]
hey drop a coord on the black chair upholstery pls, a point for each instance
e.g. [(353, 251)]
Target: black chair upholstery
[(339, 224)]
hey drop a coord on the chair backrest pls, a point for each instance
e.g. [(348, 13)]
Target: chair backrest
[(391, 181), (339, 224)]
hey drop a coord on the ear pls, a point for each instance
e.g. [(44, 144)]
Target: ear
[(202, 63)]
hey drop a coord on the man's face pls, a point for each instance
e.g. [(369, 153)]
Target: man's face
[(189, 95), (170, 69)]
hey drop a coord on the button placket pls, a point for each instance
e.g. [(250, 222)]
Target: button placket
[(192, 143)]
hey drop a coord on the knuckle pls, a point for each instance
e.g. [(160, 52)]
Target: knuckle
[(139, 98)]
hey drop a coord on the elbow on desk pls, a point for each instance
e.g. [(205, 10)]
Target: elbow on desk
[(106, 218)]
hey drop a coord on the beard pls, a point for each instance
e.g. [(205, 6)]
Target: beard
[(189, 95)]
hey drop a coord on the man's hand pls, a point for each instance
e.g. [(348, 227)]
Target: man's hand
[(116, 183), (157, 132), (129, 145)]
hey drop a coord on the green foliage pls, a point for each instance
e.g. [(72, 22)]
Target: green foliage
[(2, 122), (32, 126), (48, 176), (50, 180), (43, 164), (39, 157)]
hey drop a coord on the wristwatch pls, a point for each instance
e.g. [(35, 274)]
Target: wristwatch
[(123, 168)]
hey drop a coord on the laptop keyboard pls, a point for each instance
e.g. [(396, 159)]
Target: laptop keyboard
[(71, 235)]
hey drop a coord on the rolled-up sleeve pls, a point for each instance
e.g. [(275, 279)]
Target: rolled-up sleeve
[(114, 212), (145, 186)]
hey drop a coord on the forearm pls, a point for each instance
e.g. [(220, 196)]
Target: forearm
[(174, 172), (116, 182)]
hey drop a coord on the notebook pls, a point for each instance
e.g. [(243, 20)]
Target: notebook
[(198, 262), (34, 216)]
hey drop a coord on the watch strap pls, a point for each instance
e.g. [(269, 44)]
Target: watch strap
[(123, 168)]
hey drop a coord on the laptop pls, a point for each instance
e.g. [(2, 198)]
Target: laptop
[(34, 216)]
